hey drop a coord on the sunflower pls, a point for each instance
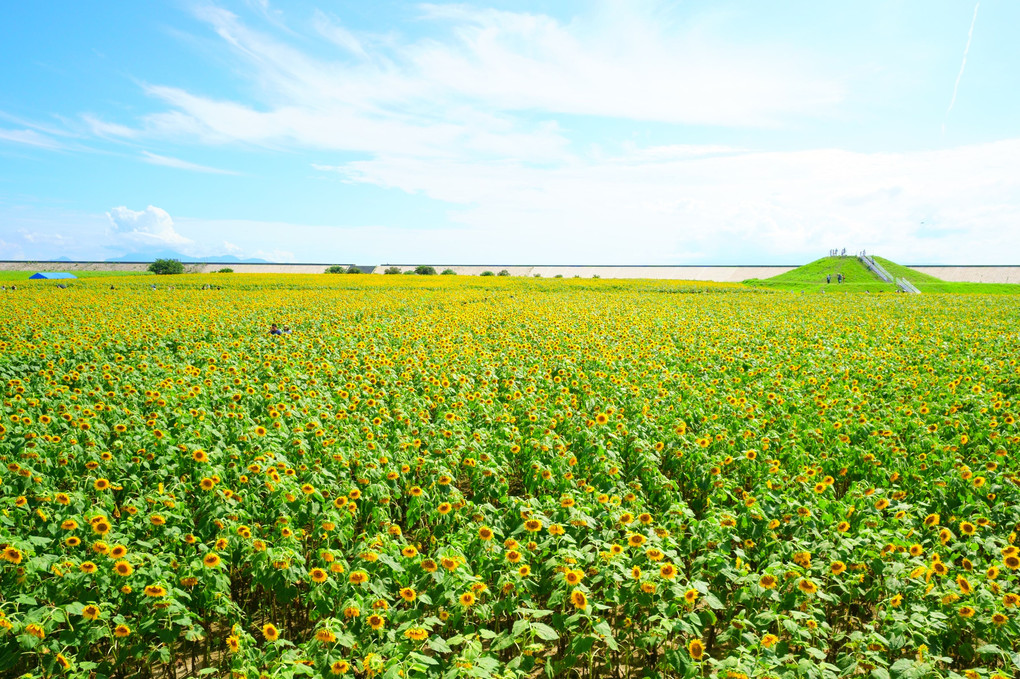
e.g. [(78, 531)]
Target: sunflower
[(340, 667), (667, 571), (211, 560), (376, 621), (318, 575), (806, 586), (966, 612), (524, 571), (579, 599), (769, 640), (837, 567), (358, 577), (123, 568), (416, 634), (408, 594), (691, 596), (533, 525), (410, 551), (636, 540), (696, 648), (325, 636), (90, 612), (155, 591), (444, 508), (121, 630), (199, 455), (467, 599)]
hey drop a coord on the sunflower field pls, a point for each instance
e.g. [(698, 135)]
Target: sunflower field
[(498, 477)]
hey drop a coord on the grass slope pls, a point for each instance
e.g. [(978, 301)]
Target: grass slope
[(811, 278), (930, 284)]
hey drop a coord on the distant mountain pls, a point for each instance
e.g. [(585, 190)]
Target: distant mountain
[(152, 255)]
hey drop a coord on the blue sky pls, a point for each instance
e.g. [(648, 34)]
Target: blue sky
[(511, 132)]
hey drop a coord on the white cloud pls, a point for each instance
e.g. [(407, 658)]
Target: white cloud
[(11, 251), (168, 161), (471, 90), (29, 138), (659, 206), (151, 227)]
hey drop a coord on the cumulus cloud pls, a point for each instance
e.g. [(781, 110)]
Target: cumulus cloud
[(151, 227)]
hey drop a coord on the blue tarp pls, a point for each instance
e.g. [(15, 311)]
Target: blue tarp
[(50, 275)]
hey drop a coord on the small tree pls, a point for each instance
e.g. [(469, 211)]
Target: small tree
[(336, 268), (409, 272), (225, 269), (425, 270), (353, 269), (503, 272), (449, 272), (392, 270), (487, 273), (162, 267)]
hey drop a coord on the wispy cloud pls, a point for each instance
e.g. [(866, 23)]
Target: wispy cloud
[(30, 137), (963, 65), (179, 164), (485, 84)]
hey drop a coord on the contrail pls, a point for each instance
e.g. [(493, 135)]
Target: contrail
[(963, 65)]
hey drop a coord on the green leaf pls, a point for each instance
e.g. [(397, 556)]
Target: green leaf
[(902, 665), (880, 673), (815, 653), (544, 632), (607, 632), (422, 658), (439, 645), (713, 602)]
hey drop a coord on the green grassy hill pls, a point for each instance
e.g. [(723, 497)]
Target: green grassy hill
[(811, 278)]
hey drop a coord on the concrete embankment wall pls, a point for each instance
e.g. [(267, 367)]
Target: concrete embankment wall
[(722, 274), (719, 274), (973, 274)]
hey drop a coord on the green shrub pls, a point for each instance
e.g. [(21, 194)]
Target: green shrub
[(163, 267), (409, 272), (503, 272), (487, 273), (392, 270), (336, 268), (353, 269), (225, 269), (425, 270), (449, 272)]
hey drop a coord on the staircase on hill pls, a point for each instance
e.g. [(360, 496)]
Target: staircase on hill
[(902, 284)]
